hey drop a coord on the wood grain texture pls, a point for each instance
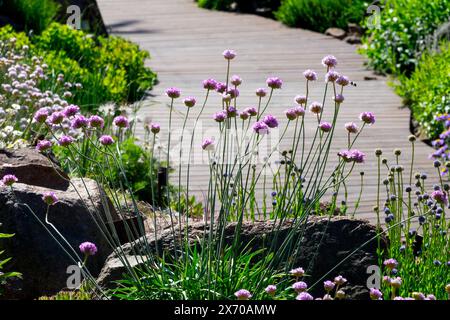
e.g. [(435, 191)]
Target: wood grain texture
[(186, 43)]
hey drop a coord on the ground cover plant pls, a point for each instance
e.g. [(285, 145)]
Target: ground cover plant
[(110, 69), (319, 15)]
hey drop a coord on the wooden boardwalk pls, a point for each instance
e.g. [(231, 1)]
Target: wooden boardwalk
[(186, 43)]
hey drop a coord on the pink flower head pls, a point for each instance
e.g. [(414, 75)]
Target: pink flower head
[(375, 294), (208, 144), (261, 127), (9, 180), (244, 115), (41, 115), (357, 156), (236, 80), (300, 286), (274, 82), (210, 84), (342, 81), (243, 294), (121, 122), (329, 61), (271, 289), (220, 116), (43, 145), (310, 75), (297, 272), (331, 76), (96, 122), (106, 140), (229, 54), (300, 99), (328, 285), (300, 111), (231, 112), (340, 280), (339, 98), (234, 93), (221, 87), (56, 118), (71, 110), (88, 248), (261, 92), (79, 122), (155, 128), (396, 282), (390, 263), (65, 141), (367, 117), (352, 156), (251, 111), (189, 102), (291, 114), (439, 196), (315, 107), (173, 92), (325, 126), (271, 121), (304, 296), (351, 127), (50, 198)]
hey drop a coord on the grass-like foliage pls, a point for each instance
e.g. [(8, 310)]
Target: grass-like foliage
[(4, 276), (34, 15), (319, 15)]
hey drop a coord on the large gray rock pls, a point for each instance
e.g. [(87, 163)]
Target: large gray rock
[(33, 168), (34, 252), (325, 244)]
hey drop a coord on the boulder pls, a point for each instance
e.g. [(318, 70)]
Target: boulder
[(40, 259), (336, 33), (354, 28), (353, 39), (33, 168), (337, 244)]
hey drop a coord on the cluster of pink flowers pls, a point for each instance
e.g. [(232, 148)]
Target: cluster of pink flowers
[(353, 155)]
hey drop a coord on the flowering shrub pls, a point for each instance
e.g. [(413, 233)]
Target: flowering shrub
[(427, 90), (109, 69), (406, 26)]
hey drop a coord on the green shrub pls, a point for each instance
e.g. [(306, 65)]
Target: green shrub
[(109, 68), (427, 90), (405, 25), (34, 15), (319, 15), (215, 4)]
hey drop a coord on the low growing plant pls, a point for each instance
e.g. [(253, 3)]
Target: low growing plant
[(319, 15)]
